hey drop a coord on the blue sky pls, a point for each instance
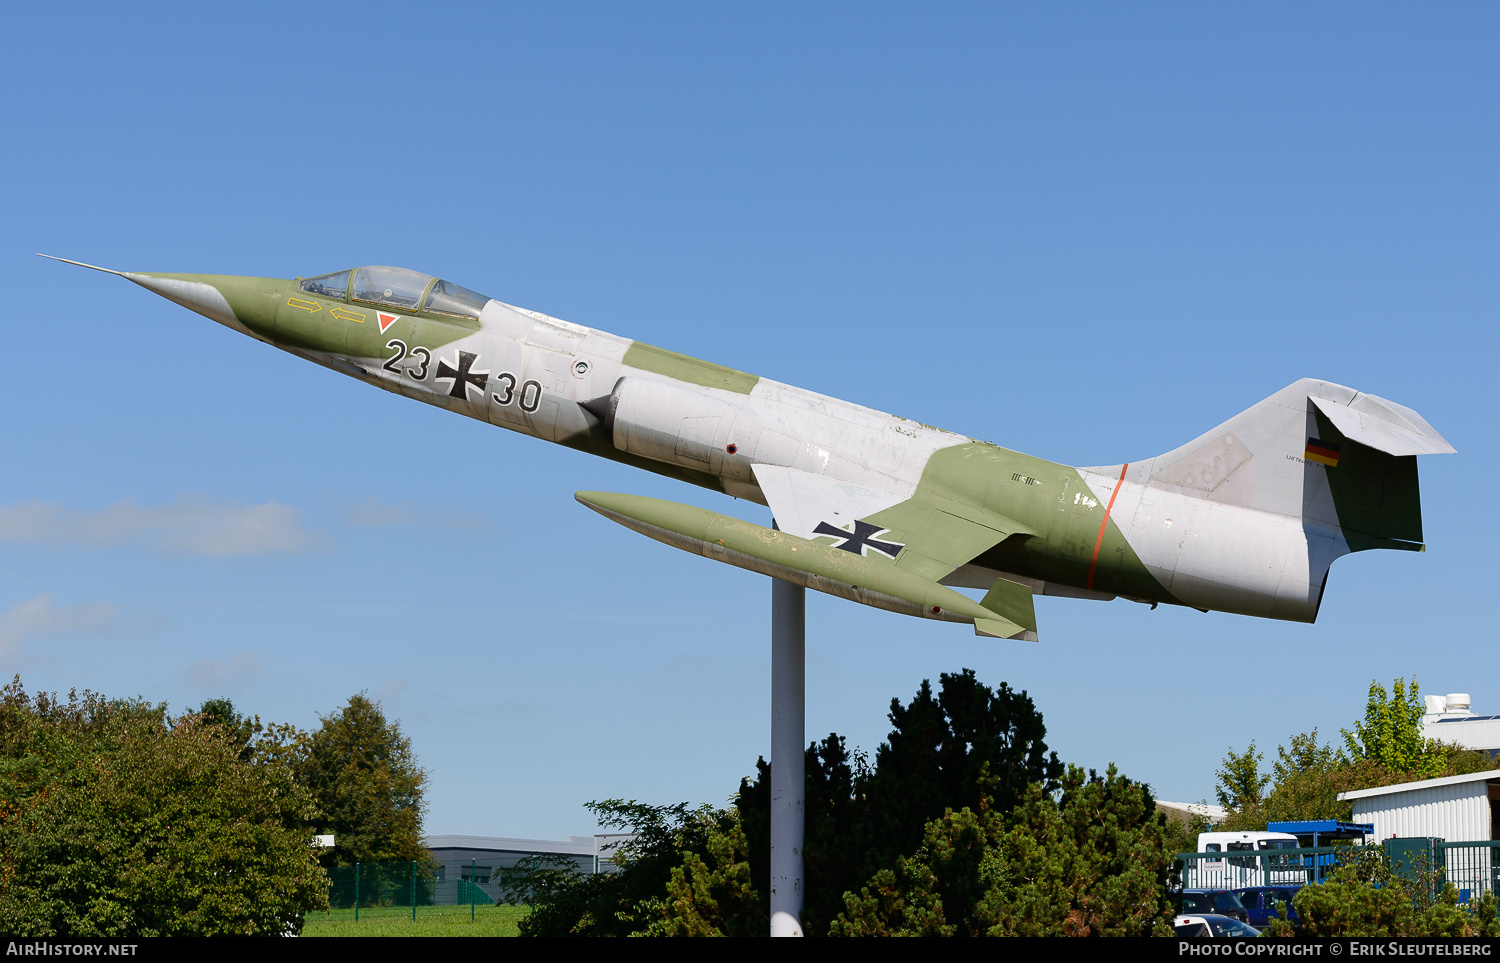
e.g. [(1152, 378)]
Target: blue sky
[(1088, 232)]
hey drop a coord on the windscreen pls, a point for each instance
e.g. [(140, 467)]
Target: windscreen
[(395, 286), (1223, 926), (328, 285), (449, 298)]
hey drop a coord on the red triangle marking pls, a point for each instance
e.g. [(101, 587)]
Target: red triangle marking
[(386, 320)]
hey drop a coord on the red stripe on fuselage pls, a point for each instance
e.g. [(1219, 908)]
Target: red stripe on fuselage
[(1100, 540)]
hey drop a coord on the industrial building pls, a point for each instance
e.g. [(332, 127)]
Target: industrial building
[(1452, 823), (1449, 719), (479, 859), (1455, 808), (1192, 812)]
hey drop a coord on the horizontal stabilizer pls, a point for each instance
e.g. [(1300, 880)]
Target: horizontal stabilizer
[(1001, 629), (1012, 604), (1383, 425)]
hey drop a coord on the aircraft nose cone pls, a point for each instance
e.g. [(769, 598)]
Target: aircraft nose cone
[(198, 296), (246, 304)]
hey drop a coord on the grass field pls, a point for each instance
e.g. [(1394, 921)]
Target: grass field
[(430, 921)]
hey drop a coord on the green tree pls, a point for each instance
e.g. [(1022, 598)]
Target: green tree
[(965, 824), (1305, 779), (116, 820), (683, 872), (711, 894), (708, 871), (363, 776), (1303, 753), (1364, 897), (1308, 776), (1094, 862), (831, 827), (1240, 783), (1182, 829), (242, 731), (1391, 733), (963, 746)]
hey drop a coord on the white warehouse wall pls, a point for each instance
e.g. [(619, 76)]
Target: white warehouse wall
[(1458, 813)]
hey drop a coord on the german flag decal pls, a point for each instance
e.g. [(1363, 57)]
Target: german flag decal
[(1322, 452)]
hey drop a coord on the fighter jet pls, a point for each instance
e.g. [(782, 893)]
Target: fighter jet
[(872, 507)]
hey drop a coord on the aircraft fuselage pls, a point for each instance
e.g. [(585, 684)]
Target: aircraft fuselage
[(1193, 527)]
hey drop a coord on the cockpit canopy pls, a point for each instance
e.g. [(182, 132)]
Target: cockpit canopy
[(398, 288)]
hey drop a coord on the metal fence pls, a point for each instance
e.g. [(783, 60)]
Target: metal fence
[(388, 889), (1474, 867), (1278, 867)]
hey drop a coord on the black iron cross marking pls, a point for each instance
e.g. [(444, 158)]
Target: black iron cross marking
[(462, 376), (861, 539)]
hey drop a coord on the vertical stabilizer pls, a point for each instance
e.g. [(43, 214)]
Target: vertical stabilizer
[(1332, 457)]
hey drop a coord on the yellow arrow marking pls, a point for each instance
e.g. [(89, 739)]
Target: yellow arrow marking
[(304, 305), (343, 315)]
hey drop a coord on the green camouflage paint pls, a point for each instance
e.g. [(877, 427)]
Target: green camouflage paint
[(684, 368), (1055, 536)]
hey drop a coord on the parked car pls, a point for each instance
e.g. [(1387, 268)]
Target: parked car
[(1216, 901), (1261, 902), (1210, 924)]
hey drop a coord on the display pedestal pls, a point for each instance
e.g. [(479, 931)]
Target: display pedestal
[(788, 785)]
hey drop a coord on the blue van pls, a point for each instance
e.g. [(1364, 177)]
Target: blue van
[(1261, 903)]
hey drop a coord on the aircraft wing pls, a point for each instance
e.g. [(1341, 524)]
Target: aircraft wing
[(925, 533)]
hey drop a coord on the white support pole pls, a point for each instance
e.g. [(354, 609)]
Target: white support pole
[(788, 709)]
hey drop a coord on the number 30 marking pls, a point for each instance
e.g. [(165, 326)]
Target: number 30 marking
[(531, 392)]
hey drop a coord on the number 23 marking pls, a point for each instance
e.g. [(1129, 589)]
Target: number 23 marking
[(393, 363), (531, 391)]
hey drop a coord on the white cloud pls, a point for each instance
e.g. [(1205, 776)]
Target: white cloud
[(190, 525), (28, 521), (524, 710), (476, 521), (375, 513), (40, 616), (392, 688), (224, 673)]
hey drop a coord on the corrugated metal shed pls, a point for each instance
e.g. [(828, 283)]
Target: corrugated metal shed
[(1456, 808)]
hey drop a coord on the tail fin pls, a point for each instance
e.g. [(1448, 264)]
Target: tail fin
[(1319, 452)]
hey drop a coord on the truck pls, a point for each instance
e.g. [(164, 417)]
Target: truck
[(1228, 860)]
